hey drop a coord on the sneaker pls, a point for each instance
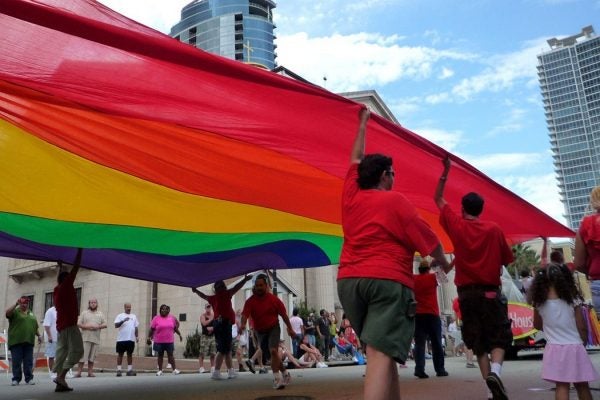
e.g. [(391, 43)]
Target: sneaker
[(322, 365), (159, 372), (263, 370), (494, 383), (241, 368), (287, 378), (53, 376), (212, 370), (119, 373), (176, 371), (201, 370), (250, 365), (14, 383), (231, 374), (443, 373), (216, 375), (471, 365), (278, 383), (31, 382), (421, 375), (131, 373), (70, 374), (169, 366)]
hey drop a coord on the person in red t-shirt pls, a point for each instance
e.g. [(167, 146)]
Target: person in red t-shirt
[(224, 317), (427, 322), (265, 309), (382, 232), (481, 250), (69, 348)]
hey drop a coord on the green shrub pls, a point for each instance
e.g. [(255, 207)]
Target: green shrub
[(192, 345)]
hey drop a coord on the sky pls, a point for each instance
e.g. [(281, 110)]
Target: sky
[(461, 73)]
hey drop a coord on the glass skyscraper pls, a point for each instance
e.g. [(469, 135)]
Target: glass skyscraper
[(238, 29), (569, 76)]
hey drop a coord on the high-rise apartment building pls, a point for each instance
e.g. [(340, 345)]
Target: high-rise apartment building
[(238, 29), (569, 75)]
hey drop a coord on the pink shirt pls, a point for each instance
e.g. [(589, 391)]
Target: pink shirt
[(164, 329)]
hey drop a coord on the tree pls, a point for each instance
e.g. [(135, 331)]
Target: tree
[(525, 259)]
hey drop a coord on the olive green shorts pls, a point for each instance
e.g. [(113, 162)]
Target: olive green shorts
[(377, 310)]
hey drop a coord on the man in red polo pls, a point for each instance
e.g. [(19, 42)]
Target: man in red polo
[(481, 250)]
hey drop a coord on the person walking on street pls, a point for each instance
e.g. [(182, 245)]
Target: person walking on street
[(51, 335), (481, 250), (127, 337), (265, 309), (69, 348), (587, 246), (382, 232), (427, 322), (557, 311), (224, 318), (22, 330)]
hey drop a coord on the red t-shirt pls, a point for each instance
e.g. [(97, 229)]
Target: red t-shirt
[(264, 311), (221, 304), (589, 231), (479, 246), (382, 231), (426, 294), (65, 301)]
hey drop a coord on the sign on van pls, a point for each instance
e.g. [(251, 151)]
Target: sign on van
[(521, 316)]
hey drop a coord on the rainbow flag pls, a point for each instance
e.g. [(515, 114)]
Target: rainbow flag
[(169, 164)]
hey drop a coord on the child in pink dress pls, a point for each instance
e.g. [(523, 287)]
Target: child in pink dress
[(558, 313)]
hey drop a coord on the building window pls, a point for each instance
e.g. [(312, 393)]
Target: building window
[(48, 301)]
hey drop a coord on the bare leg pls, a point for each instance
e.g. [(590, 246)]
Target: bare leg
[(484, 365), (201, 360), (91, 368), (171, 360), (129, 359), (120, 359), (159, 360), (562, 391), (228, 360), (218, 361), (381, 381), (583, 390), (79, 370), (276, 364)]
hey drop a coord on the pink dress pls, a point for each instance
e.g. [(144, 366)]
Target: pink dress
[(565, 357)]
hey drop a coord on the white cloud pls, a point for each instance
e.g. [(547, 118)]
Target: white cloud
[(538, 190), (512, 123), (502, 162), (445, 139), (446, 73), (503, 72), (360, 60), (158, 14)]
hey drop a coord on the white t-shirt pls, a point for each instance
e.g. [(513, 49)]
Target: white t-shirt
[(50, 321), (127, 330), (297, 324), (559, 322)]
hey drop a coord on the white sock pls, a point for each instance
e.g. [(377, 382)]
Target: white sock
[(129, 367), (118, 367), (497, 368)]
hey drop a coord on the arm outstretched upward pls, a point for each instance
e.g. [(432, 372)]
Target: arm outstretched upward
[(439, 190), (358, 149)]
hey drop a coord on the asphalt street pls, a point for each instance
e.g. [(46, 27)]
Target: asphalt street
[(521, 378)]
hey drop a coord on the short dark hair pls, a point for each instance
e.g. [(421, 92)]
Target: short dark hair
[(264, 277), (370, 169), (472, 203)]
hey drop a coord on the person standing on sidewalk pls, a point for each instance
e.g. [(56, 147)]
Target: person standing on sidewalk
[(162, 330), (481, 250), (127, 337), (51, 337), (22, 330), (91, 322)]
